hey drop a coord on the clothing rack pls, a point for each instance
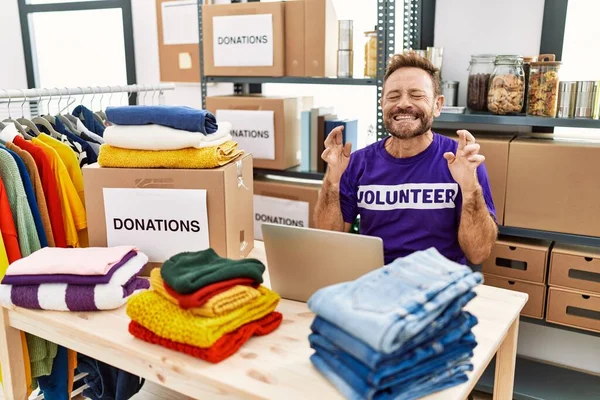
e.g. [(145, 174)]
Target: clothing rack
[(81, 90)]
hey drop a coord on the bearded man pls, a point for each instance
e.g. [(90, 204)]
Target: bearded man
[(415, 189)]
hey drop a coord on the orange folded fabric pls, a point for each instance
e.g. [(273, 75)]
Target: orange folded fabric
[(201, 296), (223, 348)]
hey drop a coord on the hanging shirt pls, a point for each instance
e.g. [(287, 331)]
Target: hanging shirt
[(21, 213), (7, 227), (50, 188), (38, 190), (87, 117), (66, 139), (69, 158), (73, 212), (35, 211), (3, 258), (92, 157)]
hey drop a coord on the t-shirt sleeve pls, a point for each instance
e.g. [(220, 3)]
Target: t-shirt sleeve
[(484, 181), (348, 190)]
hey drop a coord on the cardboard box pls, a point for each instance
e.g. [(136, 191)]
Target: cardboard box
[(575, 309), (524, 259), (536, 303), (495, 149), (160, 196), (284, 202), (265, 126), (321, 39), (178, 62), (576, 267), (249, 40), (553, 185), (295, 12)]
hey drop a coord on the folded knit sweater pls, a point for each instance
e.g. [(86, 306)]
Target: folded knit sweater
[(177, 117), (190, 158), (219, 304), (187, 272), (223, 348), (168, 321)]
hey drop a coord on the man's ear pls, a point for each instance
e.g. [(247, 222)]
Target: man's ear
[(439, 103)]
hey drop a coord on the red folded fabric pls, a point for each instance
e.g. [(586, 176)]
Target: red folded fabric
[(223, 348), (201, 296)]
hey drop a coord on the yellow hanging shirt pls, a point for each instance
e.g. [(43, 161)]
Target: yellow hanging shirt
[(72, 208)]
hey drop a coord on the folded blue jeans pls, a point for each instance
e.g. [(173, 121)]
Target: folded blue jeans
[(454, 345), (389, 306), (451, 317), (352, 388), (177, 117)]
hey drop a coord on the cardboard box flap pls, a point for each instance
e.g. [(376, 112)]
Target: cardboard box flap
[(574, 250), (524, 243)]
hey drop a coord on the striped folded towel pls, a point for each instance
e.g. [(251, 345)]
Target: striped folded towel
[(68, 297)]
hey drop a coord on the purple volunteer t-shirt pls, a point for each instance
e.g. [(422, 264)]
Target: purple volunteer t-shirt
[(411, 203)]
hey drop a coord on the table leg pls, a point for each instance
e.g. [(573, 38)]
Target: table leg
[(506, 359), (11, 359)]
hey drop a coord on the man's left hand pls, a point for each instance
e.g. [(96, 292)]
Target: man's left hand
[(463, 165)]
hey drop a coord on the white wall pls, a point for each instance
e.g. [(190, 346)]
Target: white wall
[(466, 27)]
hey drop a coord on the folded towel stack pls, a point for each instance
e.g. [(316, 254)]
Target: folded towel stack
[(399, 332), (204, 305), (78, 279), (165, 137)]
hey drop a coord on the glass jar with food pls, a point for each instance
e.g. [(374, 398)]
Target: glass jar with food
[(526, 68), (542, 97), (371, 54), (480, 69), (507, 85)]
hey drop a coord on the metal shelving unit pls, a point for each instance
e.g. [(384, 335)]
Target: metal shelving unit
[(293, 80), (385, 48), (294, 172), (566, 238), (520, 120)]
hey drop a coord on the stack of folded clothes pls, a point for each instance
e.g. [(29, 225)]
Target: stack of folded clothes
[(204, 305), (399, 332), (165, 137), (78, 279)]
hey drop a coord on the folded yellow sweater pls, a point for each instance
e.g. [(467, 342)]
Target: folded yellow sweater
[(220, 304), (169, 321), (207, 157)]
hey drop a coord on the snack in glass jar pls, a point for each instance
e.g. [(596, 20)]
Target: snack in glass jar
[(542, 98), (506, 94)]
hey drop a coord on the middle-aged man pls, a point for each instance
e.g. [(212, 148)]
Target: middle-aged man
[(415, 189)]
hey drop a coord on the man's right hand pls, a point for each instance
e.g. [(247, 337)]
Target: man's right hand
[(336, 155)]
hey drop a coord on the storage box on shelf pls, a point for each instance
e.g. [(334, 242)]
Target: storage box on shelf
[(574, 308), (537, 293), (553, 185), (285, 203), (321, 38), (295, 32), (495, 148), (268, 127), (574, 294), (159, 213), (245, 39), (520, 264)]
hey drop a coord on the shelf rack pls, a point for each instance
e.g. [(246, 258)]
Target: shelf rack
[(517, 120), (292, 80)]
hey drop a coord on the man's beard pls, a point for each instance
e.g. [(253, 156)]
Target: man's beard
[(425, 124)]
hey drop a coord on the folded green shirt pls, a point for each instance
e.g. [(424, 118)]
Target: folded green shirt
[(190, 271)]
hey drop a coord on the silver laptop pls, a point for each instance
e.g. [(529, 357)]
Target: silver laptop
[(303, 260)]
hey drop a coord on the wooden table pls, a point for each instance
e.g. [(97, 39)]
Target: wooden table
[(276, 366)]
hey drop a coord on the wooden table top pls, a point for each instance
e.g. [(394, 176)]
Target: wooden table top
[(276, 366)]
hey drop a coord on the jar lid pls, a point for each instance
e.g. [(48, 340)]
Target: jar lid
[(530, 59), (483, 57), (547, 60)]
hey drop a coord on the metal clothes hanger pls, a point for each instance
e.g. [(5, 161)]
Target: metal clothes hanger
[(14, 121), (33, 130), (45, 122), (101, 113), (63, 118), (96, 116)]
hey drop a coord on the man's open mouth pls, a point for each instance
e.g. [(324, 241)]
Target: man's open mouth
[(405, 117)]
